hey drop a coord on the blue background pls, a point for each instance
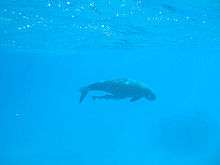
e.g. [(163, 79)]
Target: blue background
[(49, 49)]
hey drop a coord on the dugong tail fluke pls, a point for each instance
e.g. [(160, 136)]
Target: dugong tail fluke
[(84, 91)]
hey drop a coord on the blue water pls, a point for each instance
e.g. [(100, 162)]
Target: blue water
[(50, 49)]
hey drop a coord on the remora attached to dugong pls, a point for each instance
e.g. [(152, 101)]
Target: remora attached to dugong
[(119, 89)]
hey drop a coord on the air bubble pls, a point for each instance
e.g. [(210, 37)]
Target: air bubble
[(187, 17), (92, 4)]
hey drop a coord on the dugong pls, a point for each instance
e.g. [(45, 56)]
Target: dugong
[(119, 89)]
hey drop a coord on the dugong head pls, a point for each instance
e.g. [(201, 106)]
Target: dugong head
[(149, 95)]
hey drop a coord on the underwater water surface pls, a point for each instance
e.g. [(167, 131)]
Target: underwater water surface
[(49, 49)]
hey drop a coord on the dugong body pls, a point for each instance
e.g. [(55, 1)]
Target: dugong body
[(119, 89)]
